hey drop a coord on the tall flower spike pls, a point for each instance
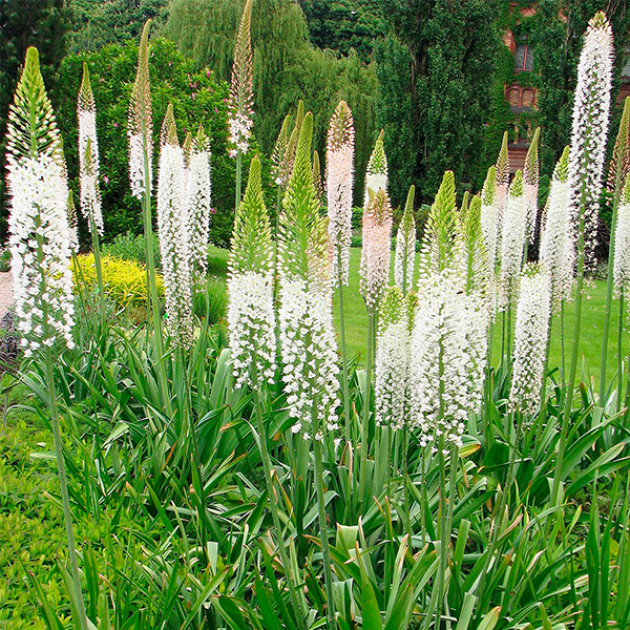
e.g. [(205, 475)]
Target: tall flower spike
[(140, 121), (530, 184), (391, 366), (406, 246), (376, 173), (474, 256), (464, 207), (490, 227), (199, 200), (251, 317), (590, 130), (375, 252), (621, 268), (241, 97), (88, 155), (279, 157), (340, 180), (557, 246), (438, 248), (307, 336), (503, 178), (173, 233), (530, 340), (38, 219), (293, 139), (513, 238), (448, 347), (620, 159)]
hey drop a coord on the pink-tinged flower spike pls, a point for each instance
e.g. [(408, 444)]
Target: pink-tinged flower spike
[(173, 233), (557, 245), (140, 122), (339, 178), (530, 186), (88, 155), (621, 268), (490, 231), (38, 219), (199, 200), (513, 238), (448, 347), (503, 178), (251, 316), (392, 362), (406, 246), (375, 253), (590, 130), (530, 340), (307, 336), (241, 98), (376, 173)]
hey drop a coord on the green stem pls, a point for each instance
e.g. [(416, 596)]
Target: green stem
[(620, 349), (61, 469), (444, 535), (366, 412), (487, 425), (568, 403), (406, 480), (158, 338), (342, 342), (237, 189), (323, 528), (99, 266), (609, 287), (273, 503), (503, 501)]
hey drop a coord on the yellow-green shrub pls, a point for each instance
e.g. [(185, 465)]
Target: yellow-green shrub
[(125, 281)]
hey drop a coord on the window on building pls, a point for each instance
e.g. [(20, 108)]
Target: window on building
[(524, 57)]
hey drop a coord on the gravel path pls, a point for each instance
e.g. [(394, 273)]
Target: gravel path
[(6, 292)]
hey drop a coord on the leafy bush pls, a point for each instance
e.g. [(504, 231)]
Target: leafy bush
[(211, 301), (125, 281), (130, 246), (217, 261), (197, 98), (5, 259)]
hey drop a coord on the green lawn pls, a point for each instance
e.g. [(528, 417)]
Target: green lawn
[(591, 330), (591, 335)]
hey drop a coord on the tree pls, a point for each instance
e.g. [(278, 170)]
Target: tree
[(287, 67), (344, 24), (447, 51), (557, 30), (197, 98), (24, 23), (96, 23)]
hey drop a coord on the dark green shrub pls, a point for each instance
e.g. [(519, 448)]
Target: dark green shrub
[(130, 246), (210, 300), (217, 261)]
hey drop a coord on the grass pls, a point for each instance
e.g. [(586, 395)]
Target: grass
[(591, 334)]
